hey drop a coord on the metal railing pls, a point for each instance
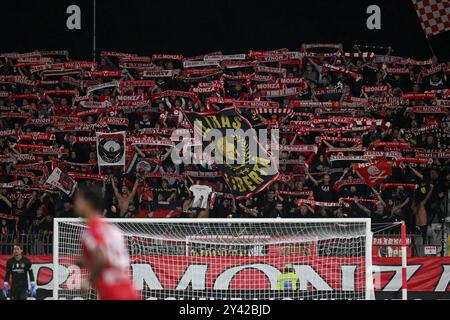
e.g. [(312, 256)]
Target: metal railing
[(32, 244), (42, 243)]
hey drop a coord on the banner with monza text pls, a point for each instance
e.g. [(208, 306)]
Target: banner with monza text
[(428, 278)]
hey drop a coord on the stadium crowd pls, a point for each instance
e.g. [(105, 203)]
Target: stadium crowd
[(335, 109)]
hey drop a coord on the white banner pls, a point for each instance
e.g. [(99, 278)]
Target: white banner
[(111, 148), (61, 181)]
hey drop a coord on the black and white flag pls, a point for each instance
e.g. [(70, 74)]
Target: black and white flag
[(111, 148), (61, 180)]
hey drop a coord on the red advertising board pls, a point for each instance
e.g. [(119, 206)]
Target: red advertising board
[(429, 275)]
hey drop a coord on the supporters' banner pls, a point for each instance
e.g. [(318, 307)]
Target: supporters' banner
[(246, 169), (412, 186), (390, 247), (112, 84), (426, 277), (111, 148), (349, 182), (11, 185), (141, 166), (315, 204), (62, 181), (433, 16), (374, 173), (87, 176)]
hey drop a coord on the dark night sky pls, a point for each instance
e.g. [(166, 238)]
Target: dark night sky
[(200, 26)]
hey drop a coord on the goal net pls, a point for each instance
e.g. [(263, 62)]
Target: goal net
[(230, 259)]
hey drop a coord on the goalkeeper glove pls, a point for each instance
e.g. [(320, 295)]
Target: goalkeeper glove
[(85, 287), (5, 289), (33, 289)]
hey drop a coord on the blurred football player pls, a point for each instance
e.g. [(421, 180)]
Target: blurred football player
[(105, 253)]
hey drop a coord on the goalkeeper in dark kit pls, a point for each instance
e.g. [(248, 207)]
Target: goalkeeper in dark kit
[(18, 268)]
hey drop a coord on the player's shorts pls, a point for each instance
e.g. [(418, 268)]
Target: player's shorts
[(18, 294), (119, 292)]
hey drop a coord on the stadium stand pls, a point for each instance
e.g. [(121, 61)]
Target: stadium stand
[(362, 134)]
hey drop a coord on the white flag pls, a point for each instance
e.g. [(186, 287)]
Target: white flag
[(61, 180), (111, 148)]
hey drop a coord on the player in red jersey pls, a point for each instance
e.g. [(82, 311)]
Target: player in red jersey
[(105, 253)]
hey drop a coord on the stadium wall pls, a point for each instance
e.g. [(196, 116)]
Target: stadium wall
[(428, 278)]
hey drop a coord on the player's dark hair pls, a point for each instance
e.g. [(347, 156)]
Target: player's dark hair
[(20, 245), (94, 196)]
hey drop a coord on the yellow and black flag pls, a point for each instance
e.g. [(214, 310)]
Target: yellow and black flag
[(232, 143)]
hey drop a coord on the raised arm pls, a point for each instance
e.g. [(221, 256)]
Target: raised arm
[(172, 195), (294, 139), (43, 196), (363, 208), (139, 151), (280, 198), (343, 174), (114, 186), (401, 205), (316, 183), (329, 145), (233, 205), (169, 151), (416, 173), (31, 201), (379, 196), (427, 197), (316, 66), (308, 207), (133, 191), (5, 200)]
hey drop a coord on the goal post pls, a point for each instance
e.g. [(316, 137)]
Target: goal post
[(230, 258)]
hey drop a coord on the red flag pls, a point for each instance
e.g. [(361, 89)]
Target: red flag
[(374, 173), (433, 15)]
